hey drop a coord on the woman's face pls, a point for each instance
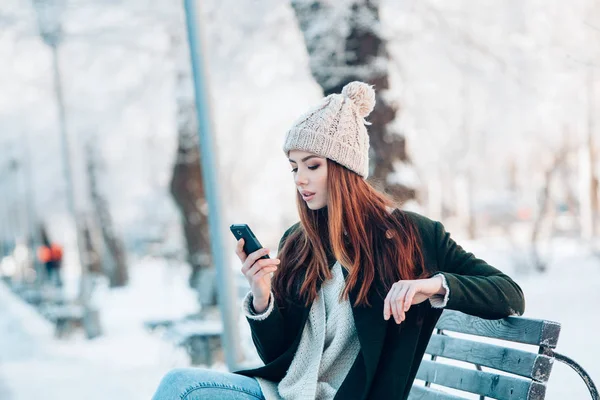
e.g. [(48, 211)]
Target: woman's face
[(310, 176)]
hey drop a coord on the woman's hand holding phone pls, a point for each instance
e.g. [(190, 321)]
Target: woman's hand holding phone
[(257, 271)]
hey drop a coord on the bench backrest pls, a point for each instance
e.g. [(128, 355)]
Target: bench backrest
[(524, 374)]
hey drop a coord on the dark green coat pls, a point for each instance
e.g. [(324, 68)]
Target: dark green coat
[(390, 354)]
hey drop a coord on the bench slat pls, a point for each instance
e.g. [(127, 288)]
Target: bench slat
[(519, 362), (425, 393), (516, 329), (483, 383)]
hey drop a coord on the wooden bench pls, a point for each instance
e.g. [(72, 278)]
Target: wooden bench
[(200, 338), (67, 318), (155, 324), (510, 374)]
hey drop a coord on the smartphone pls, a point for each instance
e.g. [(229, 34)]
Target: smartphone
[(251, 243)]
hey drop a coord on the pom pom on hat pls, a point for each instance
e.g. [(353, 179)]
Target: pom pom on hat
[(362, 95), (335, 129)]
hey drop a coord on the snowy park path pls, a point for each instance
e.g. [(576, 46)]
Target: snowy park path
[(34, 364), (126, 362), (17, 346), (4, 392)]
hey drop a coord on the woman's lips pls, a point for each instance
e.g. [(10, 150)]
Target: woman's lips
[(308, 196)]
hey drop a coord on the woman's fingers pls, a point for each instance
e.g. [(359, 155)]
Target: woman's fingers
[(266, 270), (387, 309), (251, 259), (410, 295), (390, 303), (260, 265), (393, 305), (399, 303), (239, 250), (398, 300)]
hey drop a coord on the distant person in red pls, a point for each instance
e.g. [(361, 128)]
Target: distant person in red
[(51, 255)]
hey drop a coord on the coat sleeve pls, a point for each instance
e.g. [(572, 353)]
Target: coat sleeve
[(268, 333), (267, 328), (474, 286)]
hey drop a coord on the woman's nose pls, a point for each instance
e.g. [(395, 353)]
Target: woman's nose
[(300, 179)]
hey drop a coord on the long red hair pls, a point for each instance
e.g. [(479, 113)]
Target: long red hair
[(356, 228)]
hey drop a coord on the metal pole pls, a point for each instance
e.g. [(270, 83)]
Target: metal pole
[(20, 218), (68, 171), (5, 214), (14, 198), (63, 131), (3, 228), (49, 13), (13, 210), (208, 158), (33, 237)]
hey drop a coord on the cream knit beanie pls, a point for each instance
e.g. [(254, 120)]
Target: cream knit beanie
[(336, 128)]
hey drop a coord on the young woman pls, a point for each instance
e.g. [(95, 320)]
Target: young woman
[(347, 308)]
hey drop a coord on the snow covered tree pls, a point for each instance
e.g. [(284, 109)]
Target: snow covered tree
[(187, 185), (345, 43), (114, 261)]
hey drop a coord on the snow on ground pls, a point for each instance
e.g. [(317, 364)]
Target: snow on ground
[(125, 363), (128, 362)]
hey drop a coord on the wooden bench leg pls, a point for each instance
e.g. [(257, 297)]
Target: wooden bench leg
[(64, 326), (91, 323), (199, 351), (61, 326), (202, 349)]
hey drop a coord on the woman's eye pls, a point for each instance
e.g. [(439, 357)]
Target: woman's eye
[(311, 168)]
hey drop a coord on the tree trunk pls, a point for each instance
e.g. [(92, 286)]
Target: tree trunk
[(187, 186), (590, 189), (90, 242), (463, 183), (114, 260), (344, 44), (544, 208)]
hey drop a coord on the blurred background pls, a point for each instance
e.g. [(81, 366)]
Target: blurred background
[(487, 118)]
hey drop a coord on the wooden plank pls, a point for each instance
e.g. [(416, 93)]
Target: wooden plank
[(425, 393), (515, 329), (519, 362), (483, 383)]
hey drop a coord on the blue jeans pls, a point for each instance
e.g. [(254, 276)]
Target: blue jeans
[(201, 383)]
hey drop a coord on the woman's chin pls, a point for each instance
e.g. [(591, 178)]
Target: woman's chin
[(315, 207)]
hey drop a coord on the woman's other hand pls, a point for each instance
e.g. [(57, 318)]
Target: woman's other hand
[(403, 294)]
